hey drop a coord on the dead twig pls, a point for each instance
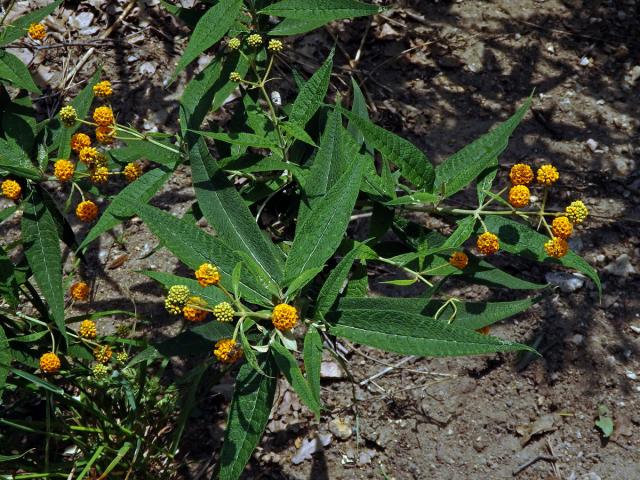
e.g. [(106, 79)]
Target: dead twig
[(524, 466)]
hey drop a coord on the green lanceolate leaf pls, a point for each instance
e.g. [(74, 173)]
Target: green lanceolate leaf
[(485, 181), (470, 315), (248, 416), (336, 282), (297, 132), (243, 139), (42, 249), (288, 365), (318, 237), (5, 359), (295, 26), (194, 247), (358, 108), (298, 282), (462, 232), (136, 150), (208, 90), (210, 28), (328, 165), (411, 334), (19, 28), (9, 290), (312, 94), (125, 203), (224, 209), (457, 171), (523, 240), (325, 10), (14, 71), (313, 360), (14, 160), (414, 165)]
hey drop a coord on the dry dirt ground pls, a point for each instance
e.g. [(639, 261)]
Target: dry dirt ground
[(440, 74)]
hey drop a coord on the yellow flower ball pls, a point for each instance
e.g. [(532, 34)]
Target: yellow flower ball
[(521, 174), (234, 43), (132, 171), (89, 155), (11, 189), (191, 312), (105, 135), (37, 31), (556, 247), (102, 89), (577, 212), (488, 243), (99, 175), (102, 353), (223, 312), (561, 227), (68, 116), (50, 363), (103, 116), (100, 371), (79, 141), (177, 298), (63, 170), (207, 274), (87, 211), (284, 317), (519, 196), (275, 46), (254, 40), (88, 329), (227, 350), (79, 291), (235, 77), (547, 175), (459, 260)]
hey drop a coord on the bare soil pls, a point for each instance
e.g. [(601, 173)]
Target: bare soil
[(439, 74)]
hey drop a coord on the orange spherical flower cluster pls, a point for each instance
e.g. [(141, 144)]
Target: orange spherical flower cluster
[(102, 353), (50, 363), (488, 243), (556, 247), (102, 89), (547, 175), (88, 329), (99, 175), (79, 141), (191, 311), (87, 211), (521, 174), (79, 291), (89, 155), (132, 171), (227, 350), (37, 31), (284, 317), (63, 170), (519, 196), (105, 135), (11, 189), (207, 274), (459, 260), (103, 116), (561, 227)]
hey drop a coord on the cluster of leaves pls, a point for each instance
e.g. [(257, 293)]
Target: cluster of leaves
[(279, 192)]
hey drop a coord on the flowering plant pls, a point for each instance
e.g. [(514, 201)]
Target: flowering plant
[(283, 275)]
